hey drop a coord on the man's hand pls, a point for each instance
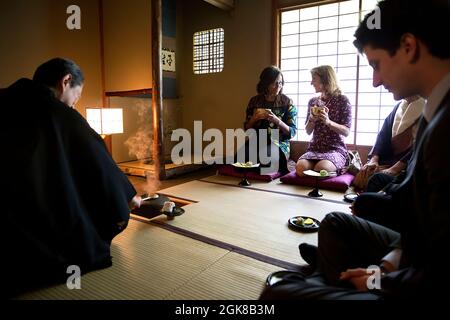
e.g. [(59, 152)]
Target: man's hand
[(370, 166), (395, 169), (135, 202), (358, 277), (368, 170), (390, 171)]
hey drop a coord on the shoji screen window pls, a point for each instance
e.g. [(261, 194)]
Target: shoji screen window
[(208, 51), (323, 34)]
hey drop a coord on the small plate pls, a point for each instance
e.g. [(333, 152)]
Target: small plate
[(315, 174), (277, 276), (240, 166), (295, 223), (350, 197)]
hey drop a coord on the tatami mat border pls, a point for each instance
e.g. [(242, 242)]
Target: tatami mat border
[(223, 245), (271, 191)]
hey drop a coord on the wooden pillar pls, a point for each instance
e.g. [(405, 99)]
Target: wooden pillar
[(105, 102), (157, 111), (275, 59)]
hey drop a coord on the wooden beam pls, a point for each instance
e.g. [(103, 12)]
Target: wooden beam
[(102, 52), (105, 102), (158, 145), (275, 56), (130, 93), (226, 5)]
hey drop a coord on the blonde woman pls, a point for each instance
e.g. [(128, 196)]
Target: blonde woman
[(329, 119)]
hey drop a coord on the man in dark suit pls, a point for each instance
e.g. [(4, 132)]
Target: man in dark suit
[(68, 199), (408, 56)]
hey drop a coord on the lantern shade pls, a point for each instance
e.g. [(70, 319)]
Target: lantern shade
[(105, 120)]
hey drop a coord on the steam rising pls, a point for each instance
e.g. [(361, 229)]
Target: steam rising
[(152, 185), (140, 144)]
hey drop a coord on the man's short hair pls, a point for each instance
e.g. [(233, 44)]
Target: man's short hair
[(52, 71), (427, 20)]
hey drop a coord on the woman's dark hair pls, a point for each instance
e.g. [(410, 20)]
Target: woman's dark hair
[(52, 71), (427, 20), (267, 77)]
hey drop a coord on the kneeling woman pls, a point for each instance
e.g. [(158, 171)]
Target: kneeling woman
[(270, 110), (329, 120)]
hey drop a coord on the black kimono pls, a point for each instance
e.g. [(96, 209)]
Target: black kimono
[(63, 197)]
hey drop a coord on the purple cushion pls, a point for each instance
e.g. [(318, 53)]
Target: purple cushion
[(339, 183), (229, 170)]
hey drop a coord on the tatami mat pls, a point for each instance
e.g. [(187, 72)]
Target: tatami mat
[(233, 277), (152, 263), (254, 220), (277, 186)]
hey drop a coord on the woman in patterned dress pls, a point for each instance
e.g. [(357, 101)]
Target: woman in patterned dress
[(329, 120), (270, 110)]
